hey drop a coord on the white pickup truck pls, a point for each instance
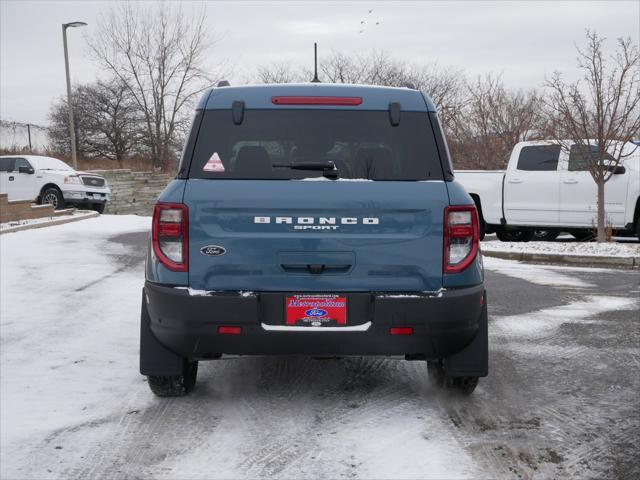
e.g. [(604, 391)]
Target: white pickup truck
[(547, 187), (49, 180)]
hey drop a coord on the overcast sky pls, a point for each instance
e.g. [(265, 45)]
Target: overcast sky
[(523, 40)]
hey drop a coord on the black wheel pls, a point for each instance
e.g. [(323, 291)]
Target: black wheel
[(175, 386), (463, 385), (514, 235), (437, 375), (582, 235), (545, 235), (52, 196), (638, 227), (99, 207)]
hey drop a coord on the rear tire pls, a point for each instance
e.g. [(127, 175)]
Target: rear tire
[(54, 197), (582, 235), (514, 235), (174, 385), (99, 207), (545, 235), (461, 385)]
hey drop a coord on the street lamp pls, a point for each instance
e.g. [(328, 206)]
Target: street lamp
[(72, 130)]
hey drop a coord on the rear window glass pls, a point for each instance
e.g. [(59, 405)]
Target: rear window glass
[(539, 158), (361, 144), (579, 157), (7, 164)]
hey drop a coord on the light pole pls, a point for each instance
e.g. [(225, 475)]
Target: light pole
[(72, 130)]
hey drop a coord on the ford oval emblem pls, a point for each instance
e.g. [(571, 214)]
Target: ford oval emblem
[(315, 312), (213, 250)]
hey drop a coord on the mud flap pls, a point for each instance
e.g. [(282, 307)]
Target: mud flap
[(155, 359), (473, 360)]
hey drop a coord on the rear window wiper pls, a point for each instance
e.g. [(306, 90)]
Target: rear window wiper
[(328, 168)]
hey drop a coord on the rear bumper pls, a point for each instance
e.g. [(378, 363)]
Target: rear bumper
[(443, 324)]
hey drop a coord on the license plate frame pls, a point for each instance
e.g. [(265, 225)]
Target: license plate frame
[(316, 310)]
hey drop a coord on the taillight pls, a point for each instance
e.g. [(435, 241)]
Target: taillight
[(461, 238), (170, 235)]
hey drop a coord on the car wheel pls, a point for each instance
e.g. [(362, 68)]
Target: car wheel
[(514, 235), (463, 385), (582, 235), (174, 385), (638, 227), (52, 196), (437, 375), (545, 235), (99, 207)]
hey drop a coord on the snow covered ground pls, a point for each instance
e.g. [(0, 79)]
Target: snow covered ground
[(559, 400), (609, 249)]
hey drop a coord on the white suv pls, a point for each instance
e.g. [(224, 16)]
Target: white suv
[(49, 180)]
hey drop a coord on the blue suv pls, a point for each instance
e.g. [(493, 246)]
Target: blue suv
[(314, 219)]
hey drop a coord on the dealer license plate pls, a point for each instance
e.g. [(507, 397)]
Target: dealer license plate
[(316, 310)]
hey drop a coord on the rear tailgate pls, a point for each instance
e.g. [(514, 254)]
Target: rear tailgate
[(313, 236)]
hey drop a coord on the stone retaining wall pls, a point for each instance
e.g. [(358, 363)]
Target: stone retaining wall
[(133, 192)]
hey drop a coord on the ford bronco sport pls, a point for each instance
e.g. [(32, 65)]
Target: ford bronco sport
[(314, 219)]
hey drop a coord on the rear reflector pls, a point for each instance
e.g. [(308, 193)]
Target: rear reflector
[(352, 101), (224, 330), (401, 331)]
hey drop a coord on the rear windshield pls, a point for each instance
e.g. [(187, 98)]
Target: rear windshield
[(361, 145)]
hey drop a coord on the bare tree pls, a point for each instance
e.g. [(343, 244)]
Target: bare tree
[(279, 73), (107, 122), (602, 114), (491, 120), (158, 53)]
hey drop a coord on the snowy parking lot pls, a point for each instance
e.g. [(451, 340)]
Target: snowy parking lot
[(561, 399)]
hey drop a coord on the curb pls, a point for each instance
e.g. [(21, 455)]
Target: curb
[(56, 221), (561, 259)]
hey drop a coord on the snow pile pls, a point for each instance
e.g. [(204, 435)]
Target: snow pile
[(609, 249)]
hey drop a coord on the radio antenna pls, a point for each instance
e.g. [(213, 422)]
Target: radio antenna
[(315, 64)]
